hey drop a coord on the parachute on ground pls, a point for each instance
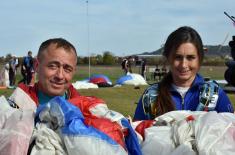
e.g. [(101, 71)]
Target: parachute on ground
[(131, 79)]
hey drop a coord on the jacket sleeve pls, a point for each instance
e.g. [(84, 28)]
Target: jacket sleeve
[(144, 108), (139, 111), (223, 103), (73, 93)]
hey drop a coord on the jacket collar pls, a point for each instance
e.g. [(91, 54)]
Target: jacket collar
[(196, 82)]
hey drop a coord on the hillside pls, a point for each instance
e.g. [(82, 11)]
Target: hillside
[(211, 51)]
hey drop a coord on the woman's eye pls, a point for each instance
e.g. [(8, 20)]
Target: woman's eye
[(191, 57), (178, 57)]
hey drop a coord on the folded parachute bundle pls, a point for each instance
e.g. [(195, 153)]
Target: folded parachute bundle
[(16, 127), (72, 133), (188, 133)]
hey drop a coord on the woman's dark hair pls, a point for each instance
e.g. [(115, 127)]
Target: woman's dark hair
[(182, 35)]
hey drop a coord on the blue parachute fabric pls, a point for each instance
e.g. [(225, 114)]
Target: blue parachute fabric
[(131, 139), (122, 79), (73, 120), (101, 76)]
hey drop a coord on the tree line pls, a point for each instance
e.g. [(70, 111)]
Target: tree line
[(108, 58)]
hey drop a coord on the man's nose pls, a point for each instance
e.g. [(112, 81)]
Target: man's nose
[(60, 72)]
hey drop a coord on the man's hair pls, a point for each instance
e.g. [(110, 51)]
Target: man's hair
[(59, 42), (30, 52)]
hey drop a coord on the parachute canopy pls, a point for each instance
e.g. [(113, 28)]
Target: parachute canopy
[(131, 79), (101, 80)]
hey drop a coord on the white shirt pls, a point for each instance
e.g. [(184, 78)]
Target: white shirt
[(181, 90)]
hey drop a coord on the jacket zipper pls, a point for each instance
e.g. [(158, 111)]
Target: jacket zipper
[(182, 103)]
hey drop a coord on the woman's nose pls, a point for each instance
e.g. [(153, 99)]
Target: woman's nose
[(184, 62)]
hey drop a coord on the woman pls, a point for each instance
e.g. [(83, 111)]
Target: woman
[(182, 88)]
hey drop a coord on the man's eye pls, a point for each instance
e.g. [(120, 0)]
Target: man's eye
[(68, 69), (53, 66)]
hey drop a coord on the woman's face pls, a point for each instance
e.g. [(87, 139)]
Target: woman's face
[(184, 64)]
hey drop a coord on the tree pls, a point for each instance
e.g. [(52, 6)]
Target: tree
[(108, 58), (99, 59), (8, 57), (80, 60)]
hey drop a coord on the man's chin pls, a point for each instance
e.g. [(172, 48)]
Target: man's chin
[(56, 92)]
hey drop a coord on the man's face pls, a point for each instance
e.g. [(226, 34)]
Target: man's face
[(30, 54), (55, 70)]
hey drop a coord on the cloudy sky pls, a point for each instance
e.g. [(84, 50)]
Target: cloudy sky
[(123, 27)]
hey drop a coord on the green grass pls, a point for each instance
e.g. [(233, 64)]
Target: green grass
[(123, 99)]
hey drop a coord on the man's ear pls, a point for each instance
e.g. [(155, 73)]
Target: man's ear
[(35, 64)]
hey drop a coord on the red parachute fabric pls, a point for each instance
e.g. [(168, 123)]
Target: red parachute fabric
[(112, 129), (98, 80)]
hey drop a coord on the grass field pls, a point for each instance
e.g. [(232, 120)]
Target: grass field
[(123, 99)]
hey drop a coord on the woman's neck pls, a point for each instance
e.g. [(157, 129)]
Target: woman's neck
[(181, 83)]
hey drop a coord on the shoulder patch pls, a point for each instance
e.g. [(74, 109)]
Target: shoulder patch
[(148, 100), (208, 96)]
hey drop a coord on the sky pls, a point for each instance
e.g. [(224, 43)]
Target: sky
[(123, 27)]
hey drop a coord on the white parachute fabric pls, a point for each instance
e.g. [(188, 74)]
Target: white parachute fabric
[(84, 85), (158, 141), (215, 133), (47, 141), (23, 100), (131, 79), (4, 76), (136, 80), (191, 133), (16, 127)]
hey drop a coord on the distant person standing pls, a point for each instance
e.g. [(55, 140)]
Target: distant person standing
[(129, 64), (12, 70), (157, 73), (163, 70), (27, 68), (143, 68), (125, 66)]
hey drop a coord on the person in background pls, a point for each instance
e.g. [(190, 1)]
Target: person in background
[(12, 70), (27, 68), (143, 68), (157, 73), (129, 64), (182, 88), (125, 66), (55, 66), (163, 70)]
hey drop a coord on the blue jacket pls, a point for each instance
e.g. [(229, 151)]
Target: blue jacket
[(189, 102)]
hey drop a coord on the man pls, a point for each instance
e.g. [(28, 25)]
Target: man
[(12, 71), (143, 68), (55, 66), (124, 66), (129, 63), (27, 68)]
